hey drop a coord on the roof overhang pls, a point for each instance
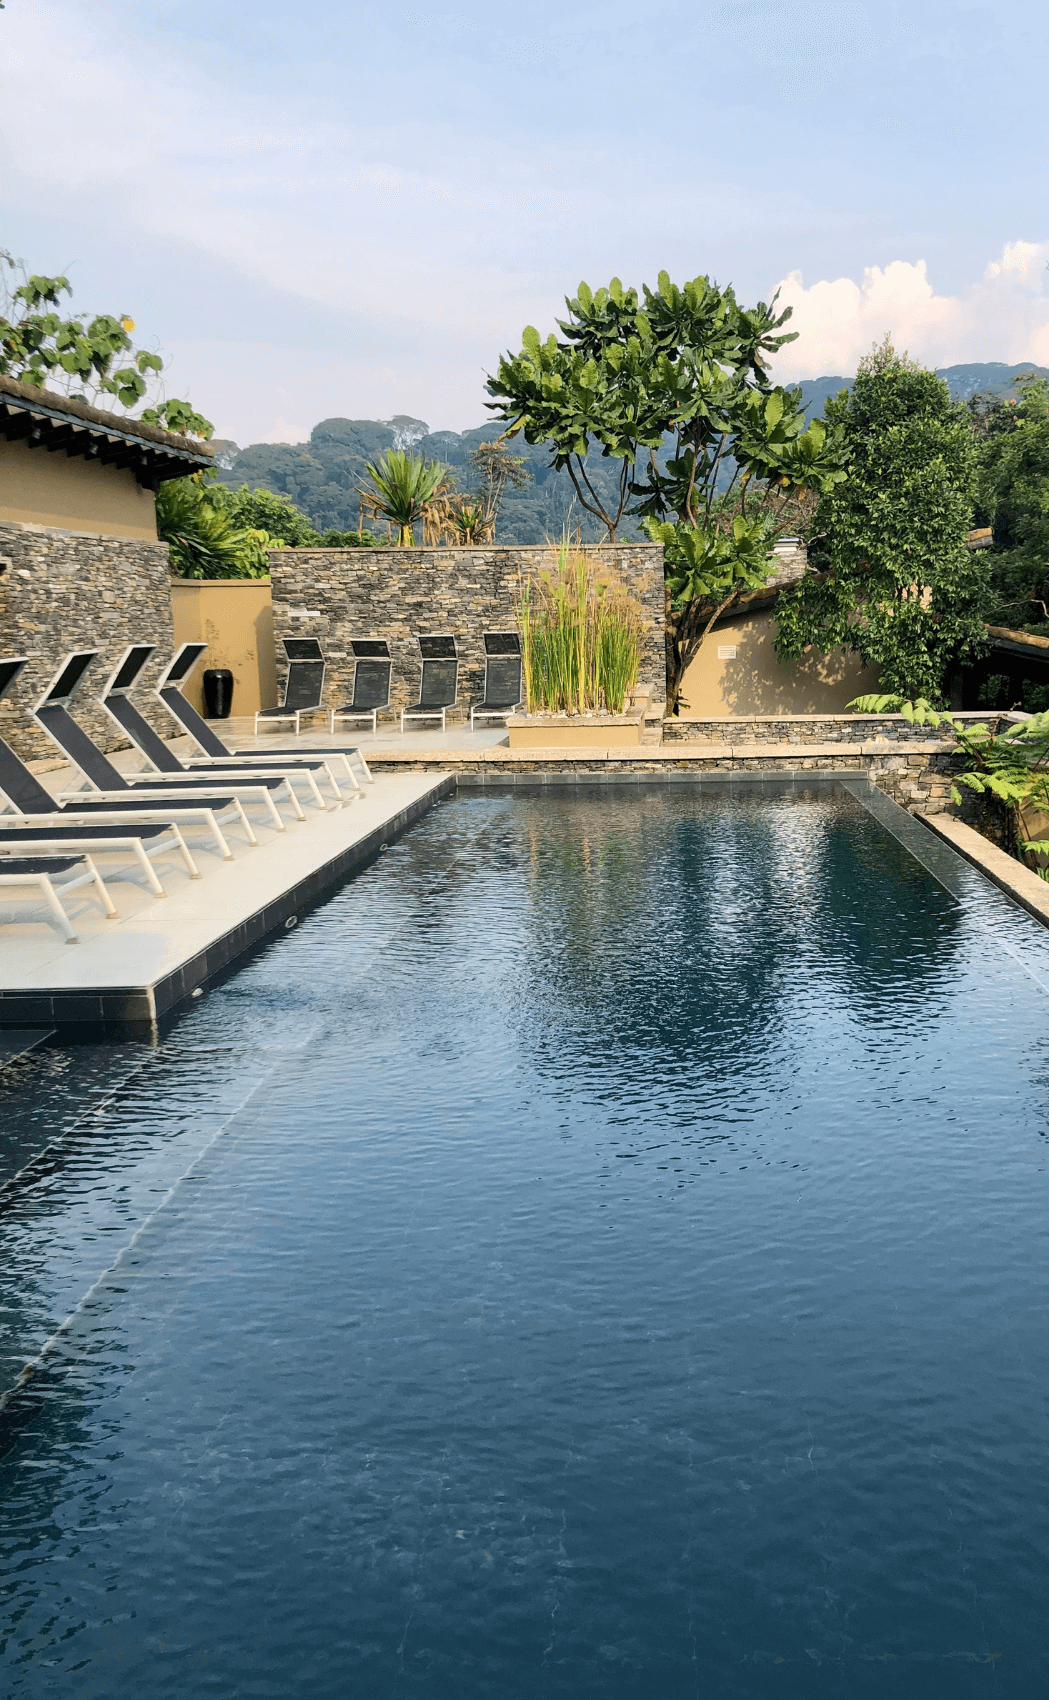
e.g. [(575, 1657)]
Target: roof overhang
[(43, 419)]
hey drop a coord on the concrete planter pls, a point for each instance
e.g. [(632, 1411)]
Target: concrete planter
[(574, 731)]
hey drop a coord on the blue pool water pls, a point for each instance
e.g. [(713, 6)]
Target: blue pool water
[(602, 1252)]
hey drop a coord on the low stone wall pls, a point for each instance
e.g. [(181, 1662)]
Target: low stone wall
[(808, 729), (64, 590), (340, 594)]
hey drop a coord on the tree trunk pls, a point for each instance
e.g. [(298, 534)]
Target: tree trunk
[(685, 635)]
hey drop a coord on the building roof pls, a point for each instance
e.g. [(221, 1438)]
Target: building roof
[(44, 419)]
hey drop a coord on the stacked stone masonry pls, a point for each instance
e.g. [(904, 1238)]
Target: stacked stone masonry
[(807, 729), (337, 595), (63, 590)]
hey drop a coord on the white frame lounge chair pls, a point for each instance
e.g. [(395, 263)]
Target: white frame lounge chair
[(185, 797), (169, 692), (37, 825), (502, 658), (440, 664), (371, 682), (17, 873), (304, 686), (116, 701)]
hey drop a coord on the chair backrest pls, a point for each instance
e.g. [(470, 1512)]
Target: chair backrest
[(128, 668), (21, 788), (305, 686), (502, 681), (502, 643), (53, 715), (371, 684), (121, 709), (181, 664), (170, 693), (439, 684)]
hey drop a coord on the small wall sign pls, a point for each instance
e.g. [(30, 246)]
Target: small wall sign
[(726, 652)]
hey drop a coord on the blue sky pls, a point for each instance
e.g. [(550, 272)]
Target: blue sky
[(321, 208)]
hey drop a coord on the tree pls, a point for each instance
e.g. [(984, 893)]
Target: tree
[(890, 577), (688, 369), (402, 487), (496, 468), (79, 356), (1012, 451), (203, 538), (263, 510)]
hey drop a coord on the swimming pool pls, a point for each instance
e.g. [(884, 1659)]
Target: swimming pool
[(602, 1251)]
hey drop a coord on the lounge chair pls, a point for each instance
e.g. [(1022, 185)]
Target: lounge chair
[(439, 683), (502, 678), (305, 685), (17, 873), (117, 703), (38, 825), (371, 682), (52, 713), (169, 691)]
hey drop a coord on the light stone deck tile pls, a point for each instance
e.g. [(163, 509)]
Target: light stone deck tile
[(1010, 876)]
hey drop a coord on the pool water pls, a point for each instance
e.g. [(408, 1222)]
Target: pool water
[(601, 1252)]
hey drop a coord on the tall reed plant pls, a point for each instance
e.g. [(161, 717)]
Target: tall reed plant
[(580, 638)]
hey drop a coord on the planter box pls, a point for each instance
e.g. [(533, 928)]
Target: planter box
[(575, 731)]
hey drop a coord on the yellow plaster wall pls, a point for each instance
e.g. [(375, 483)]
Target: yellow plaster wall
[(756, 683), (234, 617), (73, 494)]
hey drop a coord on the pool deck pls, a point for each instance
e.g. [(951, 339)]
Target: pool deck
[(159, 951)]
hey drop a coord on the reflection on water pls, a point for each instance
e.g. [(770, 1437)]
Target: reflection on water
[(600, 1252)]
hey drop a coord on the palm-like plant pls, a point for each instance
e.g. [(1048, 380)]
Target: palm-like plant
[(403, 485)]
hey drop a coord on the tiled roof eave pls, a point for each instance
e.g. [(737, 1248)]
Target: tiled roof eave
[(44, 426)]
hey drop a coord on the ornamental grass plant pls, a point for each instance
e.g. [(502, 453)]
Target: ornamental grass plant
[(580, 639)]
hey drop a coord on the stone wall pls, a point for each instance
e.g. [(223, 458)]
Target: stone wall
[(804, 729), (64, 590), (339, 594)]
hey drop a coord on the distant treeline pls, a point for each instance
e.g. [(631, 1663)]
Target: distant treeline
[(322, 476)]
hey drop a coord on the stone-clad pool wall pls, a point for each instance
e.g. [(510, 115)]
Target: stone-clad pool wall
[(340, 594), (63, 590)]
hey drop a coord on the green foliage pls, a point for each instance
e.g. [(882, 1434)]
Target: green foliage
[(687, 365), (402, 486), (1012, 766), (580, 639), (262, 510), (1013, 497), (39, 346), (204, 536), (333, 539), (891, 577)]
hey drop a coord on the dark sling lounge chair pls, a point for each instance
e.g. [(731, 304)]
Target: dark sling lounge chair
[(439, 684), (40, 825), (304, 690), (502, 678), (169, 691), (116, 701), (371, 682), (52, 713)]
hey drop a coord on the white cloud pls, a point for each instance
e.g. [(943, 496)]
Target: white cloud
[(1004, 315)]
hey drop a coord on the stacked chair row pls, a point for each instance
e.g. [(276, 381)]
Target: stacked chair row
[(373, 670), (47, 842)]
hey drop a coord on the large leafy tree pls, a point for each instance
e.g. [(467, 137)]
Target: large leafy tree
[(890, 577), (676, 390), (1013, 497), (205, 538), (92, 358)]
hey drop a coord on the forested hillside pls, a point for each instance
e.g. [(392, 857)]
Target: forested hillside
[(322, 476)]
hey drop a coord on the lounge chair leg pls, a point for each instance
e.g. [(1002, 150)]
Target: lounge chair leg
[(64, 923), (183, 849), (97, 882), (139, 853)]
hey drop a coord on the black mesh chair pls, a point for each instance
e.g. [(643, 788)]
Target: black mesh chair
[(305, 687), (502, 678), (439, 685), (371, 682)]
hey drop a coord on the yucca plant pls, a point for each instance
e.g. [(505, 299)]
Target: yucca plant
[(403, 486)]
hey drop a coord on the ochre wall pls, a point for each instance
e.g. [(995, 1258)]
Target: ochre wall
[(757, 683), (234, 617), (72, 494)]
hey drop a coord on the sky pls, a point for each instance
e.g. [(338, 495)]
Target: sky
[(320, 208)]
